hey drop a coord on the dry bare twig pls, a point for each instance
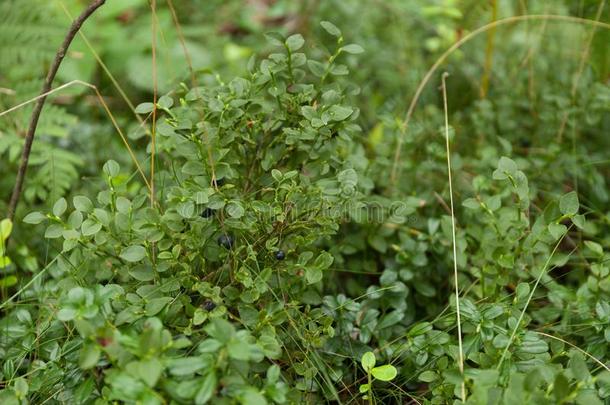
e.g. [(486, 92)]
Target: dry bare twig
[(46, 87)]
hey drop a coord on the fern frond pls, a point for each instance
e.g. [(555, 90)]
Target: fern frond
[(29, 37)]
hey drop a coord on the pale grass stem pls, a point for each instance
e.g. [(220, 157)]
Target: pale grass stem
[(579, 72), (595, 359), (430, 73), (29, 283), (529, 299), (153, 132), (99, 60), (189, 63), (455, 268), (489, 49), (104, 105)]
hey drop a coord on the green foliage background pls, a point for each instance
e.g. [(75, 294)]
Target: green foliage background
[(280, 262)]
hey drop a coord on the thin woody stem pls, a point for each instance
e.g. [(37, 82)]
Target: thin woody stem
[(29, 138)]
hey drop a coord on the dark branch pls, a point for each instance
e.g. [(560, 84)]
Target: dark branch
[(29, 138)]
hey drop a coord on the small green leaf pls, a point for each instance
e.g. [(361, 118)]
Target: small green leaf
[(273, 374), (323, 261), (111, 168), (238, 350), (54, 231), (471, 203), (384, 373), (313, 275), (506, 167), (84, 390), (8, 281), (6, 227), (209, 346), (90, 227), (133, 253), (75, 219), (60, 207), (353, 49), (391, 318), (67, 314), (428, 376), (317, 68), (368, 361), (561, 388), (493, 202), (193, 168), (34, 218), (200, 316), (220, 330), (155, 305), (89, 356), (21, 387), (578, 366), (595, 247), (235, 209), (275, 38), (339, 113), (150, 371), (202, 197), (144, 108), (568, 204), (186, 209), (331, 28), (295, 42), (123, 205), (165, 102), (207, 388), (532, 344), (579, 221), (522, 291), (277, 175), (82, 203), (557, 230), (420, 328), (142, 273), (250, 396), (186, 365)]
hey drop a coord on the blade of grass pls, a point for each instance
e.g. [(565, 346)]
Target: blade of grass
[(187, 54), (577, 348), (529, 299), (455, 268), (106, 109), (29, 283), (99, 60), (581, 68), (430, 73), (153, 7), (489, 50), (194, 84)]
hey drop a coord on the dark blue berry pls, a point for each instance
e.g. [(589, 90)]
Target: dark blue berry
[(219, 182), (280, 255), (525, 143), (208, 212), (225, 241), (209, 305)]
